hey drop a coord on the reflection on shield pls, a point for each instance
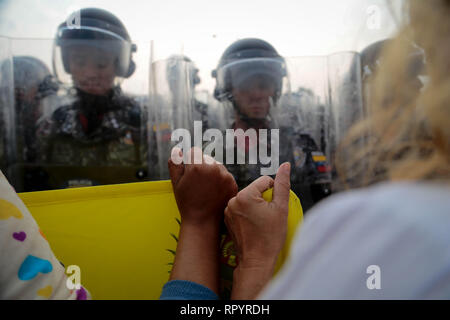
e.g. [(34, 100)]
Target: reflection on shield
[(173, 104), (325, 99)]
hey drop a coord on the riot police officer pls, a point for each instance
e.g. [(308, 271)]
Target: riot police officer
[(249, 79), (101, 127), (249, 82)]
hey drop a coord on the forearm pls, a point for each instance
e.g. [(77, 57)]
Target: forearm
[(248, 282), (197, 255)]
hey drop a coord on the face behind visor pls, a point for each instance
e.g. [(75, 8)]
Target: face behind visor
[(94, 55), (250, 77)]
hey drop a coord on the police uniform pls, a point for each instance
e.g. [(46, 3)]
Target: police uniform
[(94, 132)]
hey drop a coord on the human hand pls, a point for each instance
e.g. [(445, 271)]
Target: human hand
[(258, 229), (201, 190)]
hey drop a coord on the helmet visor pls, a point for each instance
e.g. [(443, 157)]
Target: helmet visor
[(100, 56), (248, 73)]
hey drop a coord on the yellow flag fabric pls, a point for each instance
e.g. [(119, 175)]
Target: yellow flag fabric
[(120, 235)]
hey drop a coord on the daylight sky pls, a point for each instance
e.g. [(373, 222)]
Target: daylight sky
[(202, 29)]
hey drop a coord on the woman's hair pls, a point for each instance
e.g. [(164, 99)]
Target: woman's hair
[(406, 132)]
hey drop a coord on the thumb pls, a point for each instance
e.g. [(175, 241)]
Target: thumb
[(176, 167), (282, 186)]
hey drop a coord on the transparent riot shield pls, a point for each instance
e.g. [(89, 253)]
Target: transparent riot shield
[(345, 106), (173, 105), (78, 120), (216, 116), (305, 108), (7, 119), (262, 123), (326, 101), (317, 101)]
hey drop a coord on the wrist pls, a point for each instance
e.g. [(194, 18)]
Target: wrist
[(248, 282), (197, 219), (261, 267), (264, 261), (203, 230)]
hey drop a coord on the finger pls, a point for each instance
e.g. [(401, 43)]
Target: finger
[(257, 187), (176, 171), (282, 186), (194, 156)]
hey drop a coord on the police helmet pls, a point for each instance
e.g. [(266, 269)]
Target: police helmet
[(101, 29), (244, 59)]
